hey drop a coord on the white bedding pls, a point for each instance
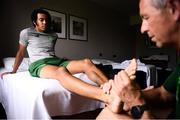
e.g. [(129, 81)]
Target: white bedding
[(26, 97), (124, 64)]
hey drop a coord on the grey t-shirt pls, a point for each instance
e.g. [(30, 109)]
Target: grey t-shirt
[(39, 45)]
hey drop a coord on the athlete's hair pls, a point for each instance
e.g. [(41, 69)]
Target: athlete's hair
[(39, 10)]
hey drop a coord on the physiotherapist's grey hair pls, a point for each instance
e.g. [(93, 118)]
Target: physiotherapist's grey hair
[(159, 4)]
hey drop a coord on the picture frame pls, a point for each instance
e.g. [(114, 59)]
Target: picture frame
[(58, 23), (78, 28)]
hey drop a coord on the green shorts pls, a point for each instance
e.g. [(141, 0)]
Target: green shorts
[(36, 66)]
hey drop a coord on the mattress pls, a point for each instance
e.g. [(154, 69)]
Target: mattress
[(27, 97)]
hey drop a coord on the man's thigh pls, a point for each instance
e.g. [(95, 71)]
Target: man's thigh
[(49, 71)]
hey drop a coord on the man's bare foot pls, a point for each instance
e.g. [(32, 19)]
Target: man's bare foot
[(131, 69), (116, 105)]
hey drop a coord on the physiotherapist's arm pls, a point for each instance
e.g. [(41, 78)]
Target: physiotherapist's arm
[(158, 96), (161, 101)]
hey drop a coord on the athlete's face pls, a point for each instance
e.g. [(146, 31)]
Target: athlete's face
[(42, 22)]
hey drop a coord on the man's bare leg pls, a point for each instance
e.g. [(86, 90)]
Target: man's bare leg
[(73, 84), (79, 87), (131, 69), (107, 114), (88, 67)]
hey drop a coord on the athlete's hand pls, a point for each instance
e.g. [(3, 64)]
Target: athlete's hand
[(5, 73)]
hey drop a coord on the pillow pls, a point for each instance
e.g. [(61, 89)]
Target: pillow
[(9, 62)]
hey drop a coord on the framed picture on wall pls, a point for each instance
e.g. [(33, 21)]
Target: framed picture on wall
[(78, 28), (58, 23)]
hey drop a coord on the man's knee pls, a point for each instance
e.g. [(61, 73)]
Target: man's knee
[(87, 62), (61, 71)]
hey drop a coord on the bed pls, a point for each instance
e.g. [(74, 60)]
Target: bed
[(27, 97)]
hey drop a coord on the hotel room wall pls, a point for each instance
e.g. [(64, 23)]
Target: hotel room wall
[(108, 30)]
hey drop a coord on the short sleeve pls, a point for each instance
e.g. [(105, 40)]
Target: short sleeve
[(23, 38)]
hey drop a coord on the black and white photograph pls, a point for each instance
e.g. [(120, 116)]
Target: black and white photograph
[(58, 23), (77, 28)]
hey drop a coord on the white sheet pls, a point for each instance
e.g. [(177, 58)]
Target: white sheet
[(26, 97), (115, 65)]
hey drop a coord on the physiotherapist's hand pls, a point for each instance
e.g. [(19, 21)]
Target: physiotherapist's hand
[(126, 88)]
